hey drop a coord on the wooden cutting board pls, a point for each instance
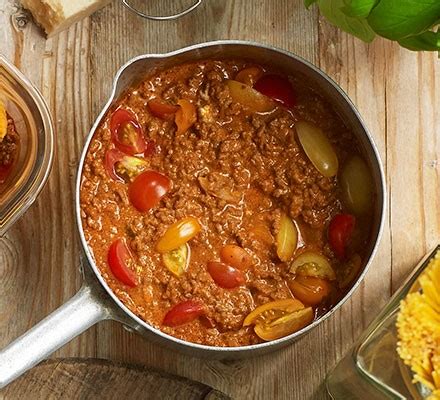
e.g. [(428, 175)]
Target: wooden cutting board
[(75, 378)]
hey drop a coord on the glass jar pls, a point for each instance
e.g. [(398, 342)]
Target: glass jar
[(373, 369), (26, 106)]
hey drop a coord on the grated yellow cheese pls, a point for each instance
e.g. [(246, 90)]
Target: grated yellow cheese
[(418, 326)]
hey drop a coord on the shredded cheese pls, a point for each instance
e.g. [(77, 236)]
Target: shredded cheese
[(418, 326)]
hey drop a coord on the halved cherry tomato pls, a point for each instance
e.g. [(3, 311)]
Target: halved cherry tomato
[(287, 238), (310, 263), (177, 234), (126, 132), (183, 313), (279, 318), (148, 188), (236, 257), (249, 75), (274, 309), (5, 170), (118, 258), (121, 167), (285, 325), (225, 276), (161, 109), (318, 148), (186, 116), (309, 289), (339, 233), (177, 260), (277, 88), (349, 271), (249, 97)]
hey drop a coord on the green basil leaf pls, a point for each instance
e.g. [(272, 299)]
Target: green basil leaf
[(332, 10), (358, 8), (398, 19), (308, 3), (426, 41)]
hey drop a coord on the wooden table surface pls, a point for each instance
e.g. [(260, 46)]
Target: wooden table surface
[(396, 91)]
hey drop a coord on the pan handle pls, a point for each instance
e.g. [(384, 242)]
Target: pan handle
[(81, 312)]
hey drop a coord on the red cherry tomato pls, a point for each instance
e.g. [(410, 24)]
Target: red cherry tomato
[(150, 149), (162, 110), (5, 170), (339, 233), (147, 190), (277, 88), (121, 167), (225, 276), (118, 257), (183, 313), (126, 132)]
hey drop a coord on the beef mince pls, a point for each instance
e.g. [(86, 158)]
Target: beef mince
[(236, 172)]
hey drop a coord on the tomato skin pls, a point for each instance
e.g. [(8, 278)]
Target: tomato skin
[(340, 231), (277, 88), (309, 289), (118, 256), (123, 121), (236, 257), (185, 117), (178, 234), (183, 313), (162, 110), (146, 191), (225, 276)]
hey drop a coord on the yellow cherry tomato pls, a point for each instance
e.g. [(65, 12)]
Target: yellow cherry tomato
[(272, 310), (3, 121), (177, 260), (249, 97), (286, 325), (318, 148), (310, 263), (178, 234), (287, 239)]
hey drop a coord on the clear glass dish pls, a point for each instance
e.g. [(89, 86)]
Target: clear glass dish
[(25, 104), (373, 369)]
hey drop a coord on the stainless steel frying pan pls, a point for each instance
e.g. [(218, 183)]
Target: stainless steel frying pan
[(95, 301)]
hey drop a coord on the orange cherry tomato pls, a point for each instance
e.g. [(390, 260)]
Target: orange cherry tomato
[(309, 289), (161, 109), (126, 132), (178, 234), (119, 257), (225, 276), (183, 313), (249, 75), (186, 116), (121, 167), (236, 257), (148, 188), (279, 318), (339, 233)]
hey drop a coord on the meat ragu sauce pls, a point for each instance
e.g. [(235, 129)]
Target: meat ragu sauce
[(217, 164), (9, 144)]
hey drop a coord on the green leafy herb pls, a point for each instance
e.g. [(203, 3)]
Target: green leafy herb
[(332, 10), (358, 8), (411, 23)]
